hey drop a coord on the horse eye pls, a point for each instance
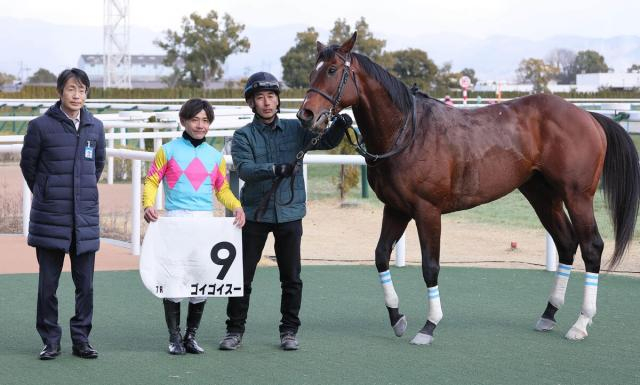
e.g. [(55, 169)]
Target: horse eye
[(332, 70)]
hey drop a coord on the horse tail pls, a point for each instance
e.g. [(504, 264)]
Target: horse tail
[(621, 184)]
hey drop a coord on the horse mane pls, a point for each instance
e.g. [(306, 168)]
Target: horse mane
[(398, 91)]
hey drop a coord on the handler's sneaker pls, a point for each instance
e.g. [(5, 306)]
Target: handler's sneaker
[(288, 341), (231, 341)]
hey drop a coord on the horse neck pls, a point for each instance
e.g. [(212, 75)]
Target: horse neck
[(378, 118)]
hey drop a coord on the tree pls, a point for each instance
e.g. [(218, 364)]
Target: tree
[(6, 78), (298, 62), (198, 52), (412, 66), (536, 72), (42, 75), (589, 62), (634, 68), (367, 44), (563, 60)]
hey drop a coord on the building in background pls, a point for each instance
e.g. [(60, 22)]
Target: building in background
[(147, 71), (607, 80)]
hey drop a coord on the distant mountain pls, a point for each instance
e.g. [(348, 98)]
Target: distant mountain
[(54, 47)]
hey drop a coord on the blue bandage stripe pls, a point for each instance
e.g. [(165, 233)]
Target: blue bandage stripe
[(562, 274), (385, 277), (433, 292), (565, 267), (590, 279)]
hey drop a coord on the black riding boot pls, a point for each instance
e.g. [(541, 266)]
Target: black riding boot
[(193, 322), (172, 316)]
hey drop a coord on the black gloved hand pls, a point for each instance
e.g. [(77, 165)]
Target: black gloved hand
[(342, 121), (283, 169)]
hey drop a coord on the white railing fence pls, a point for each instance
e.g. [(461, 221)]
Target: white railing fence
[(137, 157)]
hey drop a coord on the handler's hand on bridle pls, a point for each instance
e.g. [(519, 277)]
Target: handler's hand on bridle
[(342, 121), (150, 214)]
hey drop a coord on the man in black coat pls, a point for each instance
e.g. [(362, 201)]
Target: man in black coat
[(62, 159)]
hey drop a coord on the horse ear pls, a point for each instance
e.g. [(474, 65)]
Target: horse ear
[(320, 47), (347, 46)]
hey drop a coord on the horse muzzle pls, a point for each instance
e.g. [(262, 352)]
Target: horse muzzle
[(310, 121)]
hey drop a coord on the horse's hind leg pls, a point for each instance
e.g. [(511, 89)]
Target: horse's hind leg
[(394, 224), (580, 207), (547, 203), (428, 222)]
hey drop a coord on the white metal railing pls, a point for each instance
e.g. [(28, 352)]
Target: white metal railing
[(137, 157)]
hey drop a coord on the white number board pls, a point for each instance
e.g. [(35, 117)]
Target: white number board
[(192, 257)]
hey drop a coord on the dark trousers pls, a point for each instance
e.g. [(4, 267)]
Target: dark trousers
[(287, 247), (82, 265)]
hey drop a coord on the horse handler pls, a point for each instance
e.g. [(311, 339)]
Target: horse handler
[(62, 159), (189, 194), (262, 151)]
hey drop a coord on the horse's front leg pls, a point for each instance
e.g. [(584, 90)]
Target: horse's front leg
[(428, 224), (394, 224)]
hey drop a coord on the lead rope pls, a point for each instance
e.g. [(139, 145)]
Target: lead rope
[(296, 164)]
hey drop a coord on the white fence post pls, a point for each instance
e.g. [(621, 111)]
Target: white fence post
[(26, 207), (111, 144), (136, 175), (401, 248), (305, 176), (552, 260), (123, 140)]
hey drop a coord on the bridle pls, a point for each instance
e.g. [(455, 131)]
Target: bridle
[(335, 100), (359, 143)]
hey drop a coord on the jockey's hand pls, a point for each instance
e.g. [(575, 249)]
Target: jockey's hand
[(342, 121), (240, 218), (150, 214), (283, 169)]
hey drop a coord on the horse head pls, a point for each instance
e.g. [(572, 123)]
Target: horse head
[(330, 90)]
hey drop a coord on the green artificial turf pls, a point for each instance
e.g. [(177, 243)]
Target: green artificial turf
[(485, 337)]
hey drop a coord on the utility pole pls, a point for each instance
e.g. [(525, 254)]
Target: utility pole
[(116, 59)]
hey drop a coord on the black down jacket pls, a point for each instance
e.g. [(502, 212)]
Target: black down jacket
[(62, 167)]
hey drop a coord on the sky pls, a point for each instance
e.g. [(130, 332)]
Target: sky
[(450, 31), (480, 18)]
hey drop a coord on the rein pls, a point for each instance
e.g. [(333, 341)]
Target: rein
[(372, 158)]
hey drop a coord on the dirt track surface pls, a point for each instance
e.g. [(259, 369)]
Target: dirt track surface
[(332, 235)]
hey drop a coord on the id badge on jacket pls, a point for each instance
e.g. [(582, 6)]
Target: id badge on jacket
[(89, 149)]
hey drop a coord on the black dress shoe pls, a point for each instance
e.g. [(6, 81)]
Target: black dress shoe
[(49, 352), (84, 350)]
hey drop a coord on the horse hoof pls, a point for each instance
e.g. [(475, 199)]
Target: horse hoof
[(421, 339), (576, 334), (400, 327), (545, 325)]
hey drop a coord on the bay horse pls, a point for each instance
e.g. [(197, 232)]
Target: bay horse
[(426, 159)]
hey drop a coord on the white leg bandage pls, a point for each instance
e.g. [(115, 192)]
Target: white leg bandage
[(556, 298), (390, 296), (435, 310), (579, 329), (590, 295)]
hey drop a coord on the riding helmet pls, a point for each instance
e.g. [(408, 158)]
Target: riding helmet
[(261, 81)]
